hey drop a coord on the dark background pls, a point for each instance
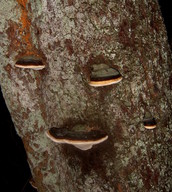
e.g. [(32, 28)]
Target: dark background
[(15, 174), (166, 10)]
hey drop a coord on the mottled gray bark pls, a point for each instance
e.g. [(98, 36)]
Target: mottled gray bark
[(70, 35)]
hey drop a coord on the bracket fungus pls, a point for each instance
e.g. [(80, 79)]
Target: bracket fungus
[(149, 122), (103, 75), (30, 62), (32, 183), (81, 136)]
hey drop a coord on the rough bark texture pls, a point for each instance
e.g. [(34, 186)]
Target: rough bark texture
[(70, 35)]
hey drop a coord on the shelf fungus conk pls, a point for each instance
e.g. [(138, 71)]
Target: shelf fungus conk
[(32, 183), (103, 75), (149, 123), (30, 62), (81, 136)]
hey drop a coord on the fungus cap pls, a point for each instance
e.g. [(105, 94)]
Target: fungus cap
[(30, 62), (103, 75), (32, 182), (82, 139), (149, 123)]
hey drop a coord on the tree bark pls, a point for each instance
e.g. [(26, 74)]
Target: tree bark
[(70, 36)]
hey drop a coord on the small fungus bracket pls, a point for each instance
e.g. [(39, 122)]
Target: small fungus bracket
[(104, 75), (30, 62), (149, 122)]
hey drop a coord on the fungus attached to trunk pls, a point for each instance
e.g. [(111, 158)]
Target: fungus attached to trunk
[(149, 122), (103, 75), (81, 136), (32, 183), (30, 62)]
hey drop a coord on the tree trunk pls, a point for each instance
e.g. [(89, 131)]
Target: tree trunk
[(69, 36)]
